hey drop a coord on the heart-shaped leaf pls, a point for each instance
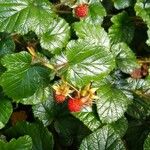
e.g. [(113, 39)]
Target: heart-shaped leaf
[(102, 139), (120, 126), (25, 16), (5, 111), (121, 4), (96, 12), (22, 78), (88, 119), (94, 34), (125, 58), (7, 45), (56, 37), (142, 9), (122, 29), (86, 63), (42, 139), (112, 103), (22, 143), (40, 96), (147, 143)]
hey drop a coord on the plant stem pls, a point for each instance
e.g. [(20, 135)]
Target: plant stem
[(63, 12), (144, 61), (48, 65), (73, 87), (33, 53), (60, 66)]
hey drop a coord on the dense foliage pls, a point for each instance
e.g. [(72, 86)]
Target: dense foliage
[(74, 75)]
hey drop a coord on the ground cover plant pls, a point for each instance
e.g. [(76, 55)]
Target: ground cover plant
[(74, 75)]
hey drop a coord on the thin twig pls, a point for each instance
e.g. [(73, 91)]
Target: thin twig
[(63, 12), (33, 53), (73, 87)]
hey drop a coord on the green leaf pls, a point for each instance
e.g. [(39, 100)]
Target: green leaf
[(40, 96), (22, 78), (7, 45), (120, 126), (86, 63), (139, 109), (117, 80), (112, 103), (122, 29), (89, 119), (5, 112), (142, 8), (102, 139), (94, 34), (2, 70), (25, 16), (138, 84), (45, 111), (66, 127), (56, 37), (70, 130), (48, 110), (22, 143), (109, 5), (41, 138), (147, 143), (148, 33), (136, 134), (125, 58), (96, 12), (121, 4)]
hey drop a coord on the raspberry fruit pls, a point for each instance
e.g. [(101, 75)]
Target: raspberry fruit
[(81, 10), (62, 90), (18, 116), (137, 73), (144, 69), (60, 98), (74, 104)]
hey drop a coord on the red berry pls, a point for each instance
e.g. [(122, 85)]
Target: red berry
[(137, 73), (59, 98), (74, 104), (81, 10), (144, 69)]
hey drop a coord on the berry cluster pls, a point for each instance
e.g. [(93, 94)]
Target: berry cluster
[(81, 10), (141, 72), (77, 99)]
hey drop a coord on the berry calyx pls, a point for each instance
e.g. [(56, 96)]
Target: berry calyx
[(59, 98), (62, 90), (75, 105), (88, 94), (81, 10)]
